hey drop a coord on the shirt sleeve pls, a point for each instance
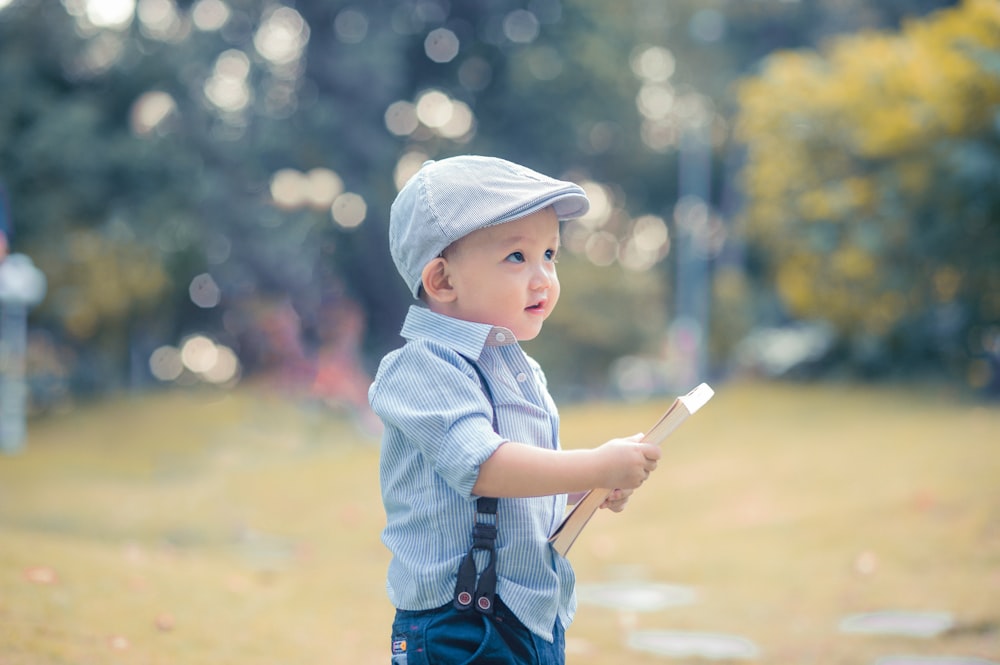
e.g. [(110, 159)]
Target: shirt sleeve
[(432, 396)]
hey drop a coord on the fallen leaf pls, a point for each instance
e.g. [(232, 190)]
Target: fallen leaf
[(41, 575), (866, 563), (165, 622)]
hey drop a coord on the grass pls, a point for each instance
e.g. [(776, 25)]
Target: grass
[(201, 529)]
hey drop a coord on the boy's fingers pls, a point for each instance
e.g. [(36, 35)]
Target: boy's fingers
[(651, 452)]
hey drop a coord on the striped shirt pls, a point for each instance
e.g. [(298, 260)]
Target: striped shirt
[(438, 431)]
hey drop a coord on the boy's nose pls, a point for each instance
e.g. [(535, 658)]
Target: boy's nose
[(542, 277)]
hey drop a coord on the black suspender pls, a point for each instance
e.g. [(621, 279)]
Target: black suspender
[(484, 537)]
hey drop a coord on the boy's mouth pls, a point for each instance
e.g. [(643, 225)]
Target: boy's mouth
[(537, 307)]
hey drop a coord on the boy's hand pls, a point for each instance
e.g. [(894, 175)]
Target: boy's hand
[(627, 462), (616, 500)]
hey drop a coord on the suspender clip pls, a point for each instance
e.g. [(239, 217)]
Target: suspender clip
[(467, 588)]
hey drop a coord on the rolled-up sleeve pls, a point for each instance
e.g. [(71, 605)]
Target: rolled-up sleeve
[(433, 394)]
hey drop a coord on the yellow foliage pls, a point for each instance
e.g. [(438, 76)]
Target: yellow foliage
[(795, 283), (946, 282), (886, 311), (914, 176), (95, 280), (898, 91), (843, 137), (815, 204), (836, 199), (853, 263)]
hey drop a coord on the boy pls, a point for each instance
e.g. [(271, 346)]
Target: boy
[(467, 415)]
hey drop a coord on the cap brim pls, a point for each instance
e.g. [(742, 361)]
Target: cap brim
[(570, 206)]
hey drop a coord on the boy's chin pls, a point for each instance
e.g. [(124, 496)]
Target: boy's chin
[(527, 336)]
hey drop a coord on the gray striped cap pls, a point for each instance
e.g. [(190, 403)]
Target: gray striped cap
[(450, 198)]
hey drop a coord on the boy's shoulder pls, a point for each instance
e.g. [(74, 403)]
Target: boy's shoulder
[(419, 357)]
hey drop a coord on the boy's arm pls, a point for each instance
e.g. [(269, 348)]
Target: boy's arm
[(519, 470)]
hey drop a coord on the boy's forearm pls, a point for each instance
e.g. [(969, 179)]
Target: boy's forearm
[(518, 470)]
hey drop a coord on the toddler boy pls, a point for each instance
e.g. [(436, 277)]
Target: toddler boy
[(472, 474)]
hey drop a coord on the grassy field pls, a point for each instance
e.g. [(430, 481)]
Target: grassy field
[(196, 529)]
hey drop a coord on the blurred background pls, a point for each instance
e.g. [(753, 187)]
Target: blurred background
[(786, 188), (796, 201)]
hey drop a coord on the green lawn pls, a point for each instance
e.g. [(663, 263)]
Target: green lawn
[(197, 529)]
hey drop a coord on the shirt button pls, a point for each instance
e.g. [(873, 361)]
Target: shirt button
[(501, 337), (522, 377)]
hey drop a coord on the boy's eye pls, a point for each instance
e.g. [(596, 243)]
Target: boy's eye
[(516, 257), (550, 254)]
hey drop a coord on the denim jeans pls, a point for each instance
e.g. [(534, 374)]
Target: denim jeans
[(446, 636)]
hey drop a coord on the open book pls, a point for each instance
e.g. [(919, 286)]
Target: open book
[(565, 535)]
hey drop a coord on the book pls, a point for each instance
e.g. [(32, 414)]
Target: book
[(566, 533)]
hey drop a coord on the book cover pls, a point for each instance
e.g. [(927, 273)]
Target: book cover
[(566, 533)]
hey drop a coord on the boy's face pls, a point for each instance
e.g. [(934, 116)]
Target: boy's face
[(505, 275)]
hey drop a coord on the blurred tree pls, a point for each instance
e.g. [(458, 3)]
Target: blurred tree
[(155, 147), (872, 184)]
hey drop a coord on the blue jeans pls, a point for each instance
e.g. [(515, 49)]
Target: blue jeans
[(446, 636)]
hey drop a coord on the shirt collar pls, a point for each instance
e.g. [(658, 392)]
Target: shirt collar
[(465, 337)]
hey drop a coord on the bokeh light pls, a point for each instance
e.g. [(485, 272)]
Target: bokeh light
[(349, 210), (292, 189), (160, 20), (225, 368), (204, 291), (115, 14), (434, 108), (218, 248), (650, 233), (521, 26), (322, 187), (210, 15), (694, 109), (100, 53), (648, 244), (198, 353), (667, 111), (198, 357), (459, 124), (228, 88), (150, 110), (165, 363), (288, 189), (694, 218), (401, 118), (351, 26), (601, 248), (282, 36), (606, 235), (660, 135), (600, 205), (407, 166), (653, 63), (441, 45), (655, 101)]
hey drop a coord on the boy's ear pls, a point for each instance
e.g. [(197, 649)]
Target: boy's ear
[(437, 284)]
